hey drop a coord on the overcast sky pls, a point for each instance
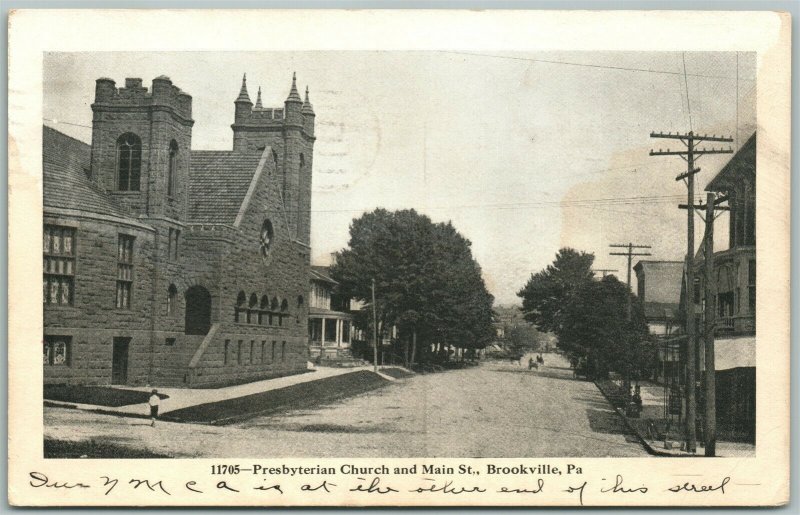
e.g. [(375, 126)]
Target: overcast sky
[(523, 152)]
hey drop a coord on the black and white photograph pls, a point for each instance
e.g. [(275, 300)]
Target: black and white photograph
[(506, 256)]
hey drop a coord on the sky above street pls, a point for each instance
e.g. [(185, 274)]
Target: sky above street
[(525, 153)]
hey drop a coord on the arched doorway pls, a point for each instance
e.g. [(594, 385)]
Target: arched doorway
[(198, 310)]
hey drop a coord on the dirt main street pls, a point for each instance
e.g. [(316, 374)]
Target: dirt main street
[(497, 410)]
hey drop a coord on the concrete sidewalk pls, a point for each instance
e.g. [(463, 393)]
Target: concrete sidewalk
[(653, 411), (180, 398)]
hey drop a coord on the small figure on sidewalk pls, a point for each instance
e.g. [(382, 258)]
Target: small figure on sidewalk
[(154, 403)]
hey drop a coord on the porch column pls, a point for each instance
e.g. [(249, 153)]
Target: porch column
[(338, 332), (322, 341), (349, 333)]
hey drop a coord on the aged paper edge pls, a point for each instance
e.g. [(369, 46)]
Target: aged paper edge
[(33, 32)]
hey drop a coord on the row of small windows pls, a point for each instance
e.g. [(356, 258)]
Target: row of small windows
[(129, 164), (257, 355), (59, 279), (59, 267), (263, 311)]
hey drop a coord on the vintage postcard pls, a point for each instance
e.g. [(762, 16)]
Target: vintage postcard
[(398, 258)]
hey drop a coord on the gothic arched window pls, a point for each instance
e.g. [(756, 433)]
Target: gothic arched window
[(172, 177), (251, 307), (129, 162), (266, 237), (241, 299)]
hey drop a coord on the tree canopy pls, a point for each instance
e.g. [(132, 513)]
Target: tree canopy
[(426, 280), (547, 292), (589, 317)]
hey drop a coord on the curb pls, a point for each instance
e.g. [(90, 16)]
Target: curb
[(647, 447)]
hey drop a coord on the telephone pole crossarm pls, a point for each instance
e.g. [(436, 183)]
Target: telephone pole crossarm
[(684, 175), (699, 152), (702, 207), (696, 137)]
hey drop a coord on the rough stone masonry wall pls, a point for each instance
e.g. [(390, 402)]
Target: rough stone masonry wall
[(282, 275), (93, 321)]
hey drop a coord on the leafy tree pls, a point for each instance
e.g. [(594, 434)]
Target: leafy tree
[(596, 325), (426, 280), (549, 291)]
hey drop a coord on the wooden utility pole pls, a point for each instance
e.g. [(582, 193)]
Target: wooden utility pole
[(709, 318), (689, 155), (374, 328), (629, 253), (708, 331)]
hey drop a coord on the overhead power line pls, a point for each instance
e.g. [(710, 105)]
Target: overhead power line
[(686, 84), (588, 65)]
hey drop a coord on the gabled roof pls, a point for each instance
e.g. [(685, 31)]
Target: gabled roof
[(741, 166), (218, 183), (321, 273), (65, 163)]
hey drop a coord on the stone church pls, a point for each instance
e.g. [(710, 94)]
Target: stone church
[(169, 266)]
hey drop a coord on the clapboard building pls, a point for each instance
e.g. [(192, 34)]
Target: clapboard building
[(165, 265)]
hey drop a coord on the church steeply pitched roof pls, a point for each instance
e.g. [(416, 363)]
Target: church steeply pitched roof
[(218, 183), (65, 162)]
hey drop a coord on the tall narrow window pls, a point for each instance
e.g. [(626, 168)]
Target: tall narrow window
[(273, 350), (264, 309), (299, 307), (173, 168), (172, 249), (225, 358), (301, 185), (252, 309), (283, 351), (263, 350), (241, 299), (59, 264), (239, 352), (172, 294), (124, 271), (129, 162), (252, 351)]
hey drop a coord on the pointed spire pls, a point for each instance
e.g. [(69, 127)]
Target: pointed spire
[(307, 107), (243, 96), (258, 99), (294, 96)]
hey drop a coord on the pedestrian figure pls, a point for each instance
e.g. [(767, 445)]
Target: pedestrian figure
[(154, 402), (532, 364)]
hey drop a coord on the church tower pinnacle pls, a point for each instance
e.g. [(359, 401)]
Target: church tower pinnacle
[(243, 96)]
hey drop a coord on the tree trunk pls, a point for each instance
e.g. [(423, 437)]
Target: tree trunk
[(405, 352), (413, 346)]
